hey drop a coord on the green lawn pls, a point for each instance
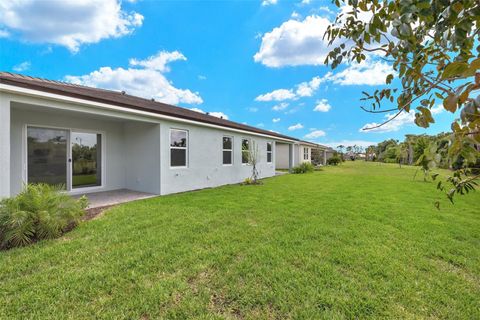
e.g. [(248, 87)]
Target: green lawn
[(360, 240), (85, 179)]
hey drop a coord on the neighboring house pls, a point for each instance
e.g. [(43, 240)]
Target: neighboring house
[(329, 152), (302, 151), (97, 140)]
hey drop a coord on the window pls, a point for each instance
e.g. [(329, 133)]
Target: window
[(245, 150), (305, 153), (86, 159), (178, 148), (269, 152), (227, 150)]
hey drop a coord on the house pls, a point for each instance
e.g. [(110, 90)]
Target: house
[(98, 140), (302, 151)]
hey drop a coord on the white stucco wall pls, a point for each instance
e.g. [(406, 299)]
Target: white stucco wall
[(4, 147), (300, 157), (114, 177), (282, 160), (137, 152), (142, 157), (205, 168)]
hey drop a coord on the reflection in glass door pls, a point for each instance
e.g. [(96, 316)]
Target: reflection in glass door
[(47, 155), (86, 159)]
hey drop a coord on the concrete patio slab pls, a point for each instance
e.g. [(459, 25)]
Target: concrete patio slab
[(109, 198)]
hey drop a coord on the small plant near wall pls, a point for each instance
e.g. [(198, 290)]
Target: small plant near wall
[(40, 211), (304, 167), (333, 161), (253, 158)]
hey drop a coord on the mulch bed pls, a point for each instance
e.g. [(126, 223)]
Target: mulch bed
[(94, 212)]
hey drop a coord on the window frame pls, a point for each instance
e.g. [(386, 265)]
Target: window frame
[(187, 140), (242, 151), (230, 150), (270, 152), (305, 153)]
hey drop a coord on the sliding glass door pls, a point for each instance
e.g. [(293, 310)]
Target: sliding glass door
[(61, 156), (86, 159), (47, 155)]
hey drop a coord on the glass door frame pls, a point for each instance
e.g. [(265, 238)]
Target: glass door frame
[(68, 183)]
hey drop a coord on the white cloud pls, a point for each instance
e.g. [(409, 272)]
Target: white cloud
[(261, 125), (252, 109), (202, 77), (368, 72), (315, 134), (305, 1), (307, 89), (325, 9), (280, 106), (295, 15), (269, 2), (275, 120), (276, 95), (295, 43), (145, 81), (4, 34), (322, 106), (304, 89), (403, 119), (67, 23), (295, 127), (217, 114), (159, 61), (437, 110), (24, 66)]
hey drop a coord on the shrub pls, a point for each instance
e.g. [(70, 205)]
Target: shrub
[(333, 161), (304, 167), (251, 181), (40, 211)]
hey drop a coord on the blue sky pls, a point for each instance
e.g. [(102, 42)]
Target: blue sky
[(254, 62)]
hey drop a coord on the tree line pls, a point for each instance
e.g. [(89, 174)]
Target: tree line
[(421, 150)]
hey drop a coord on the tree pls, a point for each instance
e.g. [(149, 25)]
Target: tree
[(433, 49), (340, 151), (350, 154), (253, 158), (382, 148), (402, 153), (370, 153)]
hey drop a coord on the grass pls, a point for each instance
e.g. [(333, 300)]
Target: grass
[(85, 179), (360, 240)]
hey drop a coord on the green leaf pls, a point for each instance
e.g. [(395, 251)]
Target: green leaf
[(450, 103), (454, 69), (389, 79), (472, 68)]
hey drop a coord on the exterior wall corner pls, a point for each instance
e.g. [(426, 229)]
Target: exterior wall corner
[(4, 146)]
